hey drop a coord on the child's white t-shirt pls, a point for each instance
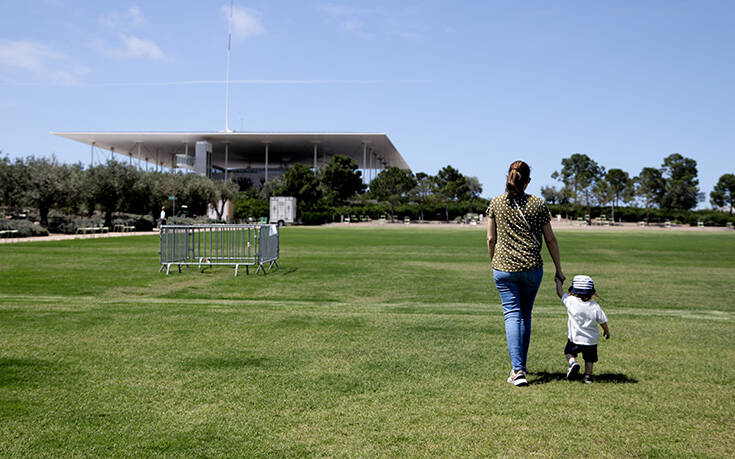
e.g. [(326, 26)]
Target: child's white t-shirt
[(583, 319)]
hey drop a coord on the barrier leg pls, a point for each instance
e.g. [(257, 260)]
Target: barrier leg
[(168, 268), (274, 263), (162, 266), (237, 266)]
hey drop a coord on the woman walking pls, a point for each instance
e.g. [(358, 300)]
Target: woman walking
[(516, 223)]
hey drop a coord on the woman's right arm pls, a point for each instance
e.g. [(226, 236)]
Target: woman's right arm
[(492, 236), (553, 247)]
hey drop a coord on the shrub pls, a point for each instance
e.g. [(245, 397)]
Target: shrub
[(25, 228), (68, 224), (251, 208), (140, 222)]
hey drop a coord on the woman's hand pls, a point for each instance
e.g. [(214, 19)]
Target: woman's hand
[(560, 275)]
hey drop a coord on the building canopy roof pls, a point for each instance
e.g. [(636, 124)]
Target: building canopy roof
[(153, 145)]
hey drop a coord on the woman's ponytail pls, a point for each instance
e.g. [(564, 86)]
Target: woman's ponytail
[(519, 174)]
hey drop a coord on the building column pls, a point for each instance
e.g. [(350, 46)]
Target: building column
[(364, 162), (267, 144), (138, 144), (227, 158), (91, 155), (315, 148)]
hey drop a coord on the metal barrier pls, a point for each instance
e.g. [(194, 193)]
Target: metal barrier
[(217, 244)]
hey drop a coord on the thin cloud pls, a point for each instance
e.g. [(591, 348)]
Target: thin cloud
[(381, 21), (246, 82), (244, 23), (131, 47), (38, 59), (284, 82), (135, 47), (133, 16)]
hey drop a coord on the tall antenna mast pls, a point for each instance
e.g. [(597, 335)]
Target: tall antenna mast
[(227, 78)]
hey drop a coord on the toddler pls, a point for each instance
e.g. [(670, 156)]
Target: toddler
[(582, 334)]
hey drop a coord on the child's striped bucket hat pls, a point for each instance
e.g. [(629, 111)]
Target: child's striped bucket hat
[(582, 285)]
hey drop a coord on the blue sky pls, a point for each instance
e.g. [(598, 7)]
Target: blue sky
[(472, 84)]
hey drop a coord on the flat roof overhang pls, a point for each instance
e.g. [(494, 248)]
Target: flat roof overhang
[(246, 148)]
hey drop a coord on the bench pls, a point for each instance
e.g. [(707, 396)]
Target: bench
[(8, 234)]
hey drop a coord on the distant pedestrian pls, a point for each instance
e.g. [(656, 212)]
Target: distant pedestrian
[(163, 215), (516, 223), (582, 333)]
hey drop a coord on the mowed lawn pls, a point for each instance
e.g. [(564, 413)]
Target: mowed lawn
[(367, 342)]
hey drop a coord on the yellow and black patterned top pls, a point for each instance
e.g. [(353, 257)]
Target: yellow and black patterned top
[(518, 221)]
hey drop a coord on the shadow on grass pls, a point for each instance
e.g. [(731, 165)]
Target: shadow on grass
[(14, 372), (215, 363), (543, 377)]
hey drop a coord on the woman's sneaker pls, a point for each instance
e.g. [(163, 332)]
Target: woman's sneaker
[(587, 379), (572, 370), (518, 378)]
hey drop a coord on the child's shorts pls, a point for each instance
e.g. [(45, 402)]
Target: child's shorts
[(589, 351)]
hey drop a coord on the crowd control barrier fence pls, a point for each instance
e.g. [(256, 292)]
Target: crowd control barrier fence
[(219, 244)]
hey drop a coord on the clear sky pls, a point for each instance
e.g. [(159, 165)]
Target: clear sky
[(471, 84)]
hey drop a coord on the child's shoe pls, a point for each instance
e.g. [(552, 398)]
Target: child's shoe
[(518, 378), (572, 370), (587, 379)]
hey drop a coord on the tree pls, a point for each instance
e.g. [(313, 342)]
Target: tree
[(579, 174), (724, 192), (49, 185), (270, 188), (340, 179), (649, 185), (681, 186), (392, 185), (301, 183), (620, 187), (553, 196), (422, 190), (450, 184), (14, 181), (473, 187), (223, 191), (197, 192), (110, 185)]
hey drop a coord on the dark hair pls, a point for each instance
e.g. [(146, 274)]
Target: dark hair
[(518, 176), (581, 297)]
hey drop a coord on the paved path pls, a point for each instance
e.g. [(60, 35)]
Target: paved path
[(64, 237)]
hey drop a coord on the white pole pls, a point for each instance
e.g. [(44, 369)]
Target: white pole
[(227, 77), (315, 157), (91, 156)]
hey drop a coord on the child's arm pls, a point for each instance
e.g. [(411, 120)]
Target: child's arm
[(559, 290), (605, 330)]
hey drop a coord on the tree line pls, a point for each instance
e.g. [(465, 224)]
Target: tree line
[(673, 186), (45, 184), (337, 189)]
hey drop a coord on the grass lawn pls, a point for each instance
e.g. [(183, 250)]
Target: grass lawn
[(367, 342)]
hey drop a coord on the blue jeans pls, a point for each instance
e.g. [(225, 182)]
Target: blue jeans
[(517, 292)]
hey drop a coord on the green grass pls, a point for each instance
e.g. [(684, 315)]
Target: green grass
[(379, 341)]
